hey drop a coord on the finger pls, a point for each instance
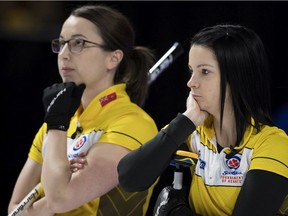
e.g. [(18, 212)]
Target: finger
[(79, 159), (76, 165), (74, 170)]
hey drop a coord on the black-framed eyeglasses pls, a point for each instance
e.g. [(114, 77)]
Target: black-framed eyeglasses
[(75, 45)]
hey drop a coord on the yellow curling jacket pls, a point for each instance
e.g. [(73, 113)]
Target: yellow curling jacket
[(217, 181), (109, 118)]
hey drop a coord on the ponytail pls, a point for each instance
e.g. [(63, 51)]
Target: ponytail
[(135, 73)]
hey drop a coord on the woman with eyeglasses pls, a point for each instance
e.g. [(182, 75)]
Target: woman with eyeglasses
[(96, 109)]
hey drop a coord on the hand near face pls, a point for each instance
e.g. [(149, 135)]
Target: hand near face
[(194, 112)]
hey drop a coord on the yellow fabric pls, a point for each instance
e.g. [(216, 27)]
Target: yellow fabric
[(217, 181), (123, 123)]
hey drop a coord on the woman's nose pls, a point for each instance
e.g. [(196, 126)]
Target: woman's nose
[(192, 82), (64, 52)]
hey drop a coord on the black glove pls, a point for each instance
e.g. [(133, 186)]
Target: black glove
[(61, 102), (172, 202)]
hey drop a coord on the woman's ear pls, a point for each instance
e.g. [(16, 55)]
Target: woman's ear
[(115, 59)]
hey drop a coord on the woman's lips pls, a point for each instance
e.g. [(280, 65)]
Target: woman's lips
[(66, 70)]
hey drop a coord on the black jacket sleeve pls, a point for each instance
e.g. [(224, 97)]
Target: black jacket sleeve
[(262, 194), (139, 169)]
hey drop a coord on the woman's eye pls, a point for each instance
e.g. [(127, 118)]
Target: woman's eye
[(78, 42), (204, 71), (62, 42)]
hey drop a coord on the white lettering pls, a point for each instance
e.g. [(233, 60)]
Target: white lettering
[(55, 98)]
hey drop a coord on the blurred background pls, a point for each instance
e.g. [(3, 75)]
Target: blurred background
[(28, 64)]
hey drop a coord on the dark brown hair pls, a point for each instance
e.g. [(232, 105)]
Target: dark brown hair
[(244, 67), (117, 33)]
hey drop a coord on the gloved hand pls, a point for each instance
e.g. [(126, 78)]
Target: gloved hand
[(172, 202), (61, 101)]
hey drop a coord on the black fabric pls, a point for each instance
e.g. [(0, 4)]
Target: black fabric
[(139, 169), (219, 148), (173, 202), (61, 101), (262, 194), (167, 178)]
